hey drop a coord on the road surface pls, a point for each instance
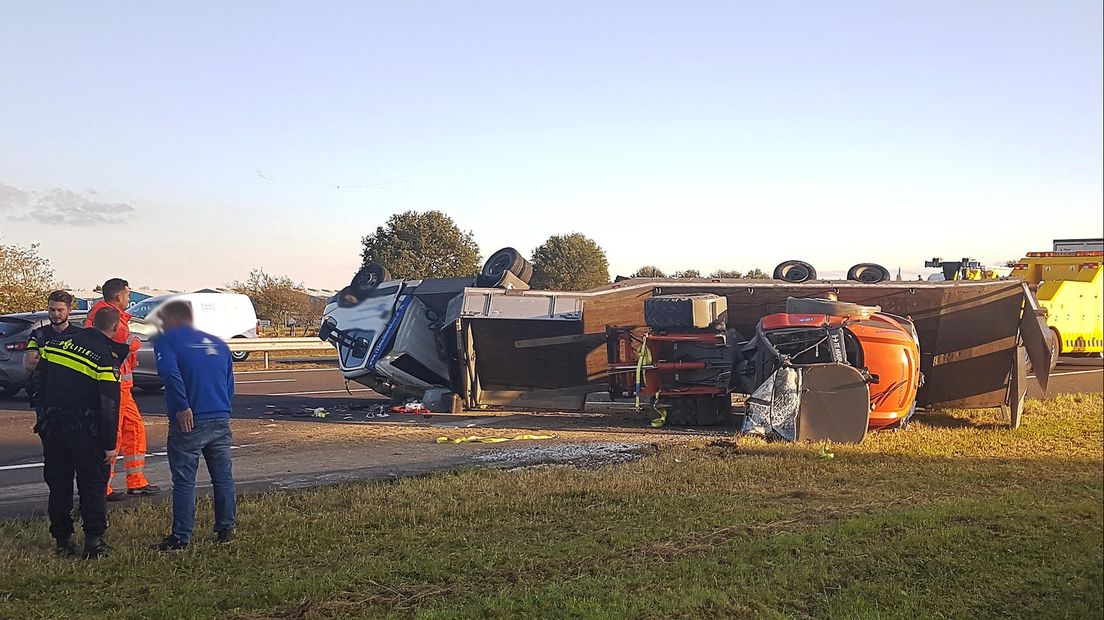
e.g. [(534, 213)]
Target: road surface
[(279, 444)]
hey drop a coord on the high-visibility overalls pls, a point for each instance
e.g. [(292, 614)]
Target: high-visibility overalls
[(132, 432)]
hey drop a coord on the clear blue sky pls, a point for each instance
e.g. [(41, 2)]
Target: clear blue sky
[(206, 139)]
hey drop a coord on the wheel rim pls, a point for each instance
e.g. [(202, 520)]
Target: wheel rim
[(869, 276), (499, 264), (795, 273)]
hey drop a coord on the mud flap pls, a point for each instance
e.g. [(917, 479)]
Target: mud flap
[(835, 404), (1017, 389), (1033, 332)]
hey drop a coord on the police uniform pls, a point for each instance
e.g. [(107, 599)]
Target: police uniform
[(79, 401), (39, 338)]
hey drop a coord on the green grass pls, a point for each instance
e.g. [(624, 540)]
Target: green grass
[(955, 517)]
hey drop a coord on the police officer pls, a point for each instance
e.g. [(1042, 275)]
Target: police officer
[(58, 305), (79, 400)]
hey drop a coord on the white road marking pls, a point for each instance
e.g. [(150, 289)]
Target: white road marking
[(264, 381), (265, 372), (312, 393), (1073, 372), (33, 465)]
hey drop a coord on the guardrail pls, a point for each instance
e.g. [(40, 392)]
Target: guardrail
[(268, 345)]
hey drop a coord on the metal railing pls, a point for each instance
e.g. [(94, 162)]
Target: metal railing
[(269, 345)]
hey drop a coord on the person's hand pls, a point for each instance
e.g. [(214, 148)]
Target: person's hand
[(110, 455), (184, 420)]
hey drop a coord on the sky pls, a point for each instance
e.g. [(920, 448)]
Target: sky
[(181, 145)]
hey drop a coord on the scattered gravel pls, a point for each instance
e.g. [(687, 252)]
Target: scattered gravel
[(578, 454)]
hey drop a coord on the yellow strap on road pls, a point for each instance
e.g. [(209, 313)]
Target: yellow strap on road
[(477, 439)]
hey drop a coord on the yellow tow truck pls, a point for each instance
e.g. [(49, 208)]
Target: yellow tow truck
[(1069, 285)]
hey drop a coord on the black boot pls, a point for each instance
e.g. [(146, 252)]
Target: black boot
[(95, 548), (172, 543), (66, 546)]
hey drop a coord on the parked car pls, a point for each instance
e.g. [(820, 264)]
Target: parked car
[(15, 330), (226, 315)]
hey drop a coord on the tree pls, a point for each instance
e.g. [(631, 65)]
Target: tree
[(277, 299), (416, 245), (25, 279), (757, 274), (648, 271), (727, 273), (571, 262), (687, 273)]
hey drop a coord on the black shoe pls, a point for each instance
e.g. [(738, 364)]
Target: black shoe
[(66, 547), (225, 536), (149, 489), (172, 543), (96, 548), (116, 496)]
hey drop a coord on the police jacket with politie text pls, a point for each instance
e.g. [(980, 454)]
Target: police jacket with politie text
[(81, 376), (39, 338)]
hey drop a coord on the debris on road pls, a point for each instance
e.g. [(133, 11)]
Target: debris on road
[(477, 439)]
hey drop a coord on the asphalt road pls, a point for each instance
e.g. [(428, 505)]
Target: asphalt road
[(279, 444)]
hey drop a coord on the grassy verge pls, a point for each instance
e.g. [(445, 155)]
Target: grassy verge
[(955, 517)]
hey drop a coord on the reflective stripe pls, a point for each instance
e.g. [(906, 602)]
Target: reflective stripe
[(126, 377), (81, 367), (130, 459)]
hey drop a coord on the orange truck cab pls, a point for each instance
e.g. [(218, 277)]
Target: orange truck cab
[(882, 346)]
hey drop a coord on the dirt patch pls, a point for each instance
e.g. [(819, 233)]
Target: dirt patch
[(588, 454)]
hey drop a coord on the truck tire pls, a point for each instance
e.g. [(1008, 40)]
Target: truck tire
[(506, 259), (868, 273), (794, 271), (796, 305), (369, 277)]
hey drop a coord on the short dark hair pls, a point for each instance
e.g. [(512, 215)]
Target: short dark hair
[(113, 287), (178, 309), (106, 319), (62, 296)]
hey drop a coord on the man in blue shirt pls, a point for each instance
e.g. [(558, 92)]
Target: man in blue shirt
[(198, 374)]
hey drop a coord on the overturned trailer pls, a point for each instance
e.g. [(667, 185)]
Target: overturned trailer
[(506, 346)]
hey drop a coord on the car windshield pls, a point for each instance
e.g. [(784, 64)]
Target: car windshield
[(12, 326), (142, 309)]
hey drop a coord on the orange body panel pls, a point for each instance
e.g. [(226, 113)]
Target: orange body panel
[(890, 354)]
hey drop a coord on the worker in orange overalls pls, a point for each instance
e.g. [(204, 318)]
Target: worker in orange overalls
[(132, 433)]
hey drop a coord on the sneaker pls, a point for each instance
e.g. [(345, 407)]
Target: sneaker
[(116, 496), (66, 547), (225, 536), (172, 543), (149, 489), (96, 548)]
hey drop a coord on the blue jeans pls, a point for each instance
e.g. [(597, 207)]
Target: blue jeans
[(211, 438)]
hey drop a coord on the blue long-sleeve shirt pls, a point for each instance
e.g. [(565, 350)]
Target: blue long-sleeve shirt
[(198, 373)]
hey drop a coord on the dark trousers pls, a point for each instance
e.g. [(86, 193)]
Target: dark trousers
[(68, 450)]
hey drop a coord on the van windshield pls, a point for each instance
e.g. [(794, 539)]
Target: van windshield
[(142, 309)]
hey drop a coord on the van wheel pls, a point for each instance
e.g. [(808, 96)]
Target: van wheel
[(239, 356), (868, 273), (795, 271)]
